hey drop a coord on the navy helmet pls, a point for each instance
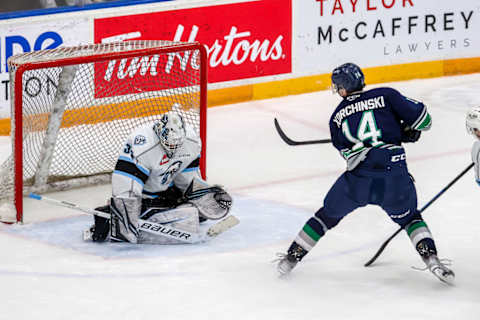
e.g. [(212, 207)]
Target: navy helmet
[(348, 76)]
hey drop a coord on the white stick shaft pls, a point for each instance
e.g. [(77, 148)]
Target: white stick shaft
[(70, 205)]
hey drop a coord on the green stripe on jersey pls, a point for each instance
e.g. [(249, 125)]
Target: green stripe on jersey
[(426, 123)]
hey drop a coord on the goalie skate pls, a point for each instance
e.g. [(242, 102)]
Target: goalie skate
[(439, 269)]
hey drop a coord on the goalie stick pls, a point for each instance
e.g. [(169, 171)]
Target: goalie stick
[(291, 142), (153, 227), (384, 245)]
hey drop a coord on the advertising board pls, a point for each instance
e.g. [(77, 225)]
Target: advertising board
[(33, 36), (266, 48), (243, 40), (382, 32)]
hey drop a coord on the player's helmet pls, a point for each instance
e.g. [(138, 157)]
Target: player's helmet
[(473, 120), (171, 132), (348, 76)]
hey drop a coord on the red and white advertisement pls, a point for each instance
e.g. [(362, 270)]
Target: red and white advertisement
[(243, 40)]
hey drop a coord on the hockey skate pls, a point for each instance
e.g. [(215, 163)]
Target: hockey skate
[(439, 269), (285, 263)]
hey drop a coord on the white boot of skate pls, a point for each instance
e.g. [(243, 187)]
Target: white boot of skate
[(285, 265), (439, 269)]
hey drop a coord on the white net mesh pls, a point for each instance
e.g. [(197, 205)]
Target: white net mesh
[(76, 116)]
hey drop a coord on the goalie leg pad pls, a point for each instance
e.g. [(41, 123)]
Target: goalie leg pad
[(124, 220), (183, 218)]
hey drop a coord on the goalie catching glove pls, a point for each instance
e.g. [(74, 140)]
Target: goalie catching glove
[(212, 202)]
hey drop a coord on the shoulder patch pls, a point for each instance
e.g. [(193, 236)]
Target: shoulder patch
[(139, 140)]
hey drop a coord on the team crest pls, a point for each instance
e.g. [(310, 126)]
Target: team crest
[(171, 171), (139, 140)]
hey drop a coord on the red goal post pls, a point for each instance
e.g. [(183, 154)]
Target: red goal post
[(72, 108)]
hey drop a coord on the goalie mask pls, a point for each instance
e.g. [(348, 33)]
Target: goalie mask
[(472, 121), (171, 132)]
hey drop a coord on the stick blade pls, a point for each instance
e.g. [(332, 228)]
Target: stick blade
[(291, 142), (282, 135), (222, 226)]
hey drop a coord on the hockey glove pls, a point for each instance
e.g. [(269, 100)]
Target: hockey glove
[(212, 202), (223, 198), (409, 135)]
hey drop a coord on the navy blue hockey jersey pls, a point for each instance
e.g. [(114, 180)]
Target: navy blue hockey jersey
[(374, 119)]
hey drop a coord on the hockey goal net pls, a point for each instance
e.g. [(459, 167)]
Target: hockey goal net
[(73, 107)]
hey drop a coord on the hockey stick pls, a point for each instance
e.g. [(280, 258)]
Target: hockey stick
[(384, 245), (152, 227), (296, 143)]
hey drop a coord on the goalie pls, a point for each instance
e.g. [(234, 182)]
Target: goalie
[(156, 178)]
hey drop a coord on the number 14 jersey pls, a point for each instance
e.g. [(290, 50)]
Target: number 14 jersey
[(375, 119)]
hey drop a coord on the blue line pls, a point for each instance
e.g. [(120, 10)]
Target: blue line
[(129, 176), (144, 170), (93, 6), (152, 196), (127, 159)]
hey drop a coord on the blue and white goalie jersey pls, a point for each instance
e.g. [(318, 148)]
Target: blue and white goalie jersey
[(144, 170)]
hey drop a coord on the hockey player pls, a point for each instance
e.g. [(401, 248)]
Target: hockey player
[(368, 129), (473, 127), (156, 178)]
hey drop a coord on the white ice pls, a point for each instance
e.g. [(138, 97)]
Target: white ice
[(48, 272)]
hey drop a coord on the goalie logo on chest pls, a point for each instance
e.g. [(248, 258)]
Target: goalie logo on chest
[(170, 172)]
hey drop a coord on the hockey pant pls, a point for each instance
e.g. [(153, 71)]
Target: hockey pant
[(393, 191)]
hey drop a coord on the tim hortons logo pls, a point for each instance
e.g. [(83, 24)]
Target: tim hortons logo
[(235, 48)]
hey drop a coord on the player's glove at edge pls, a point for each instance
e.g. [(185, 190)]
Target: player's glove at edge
[(410, 135)]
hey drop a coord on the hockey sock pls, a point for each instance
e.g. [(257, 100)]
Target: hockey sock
[(311, 232), (421, 238)]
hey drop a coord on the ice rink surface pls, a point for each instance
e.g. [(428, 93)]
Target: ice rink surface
[(48, 272)]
